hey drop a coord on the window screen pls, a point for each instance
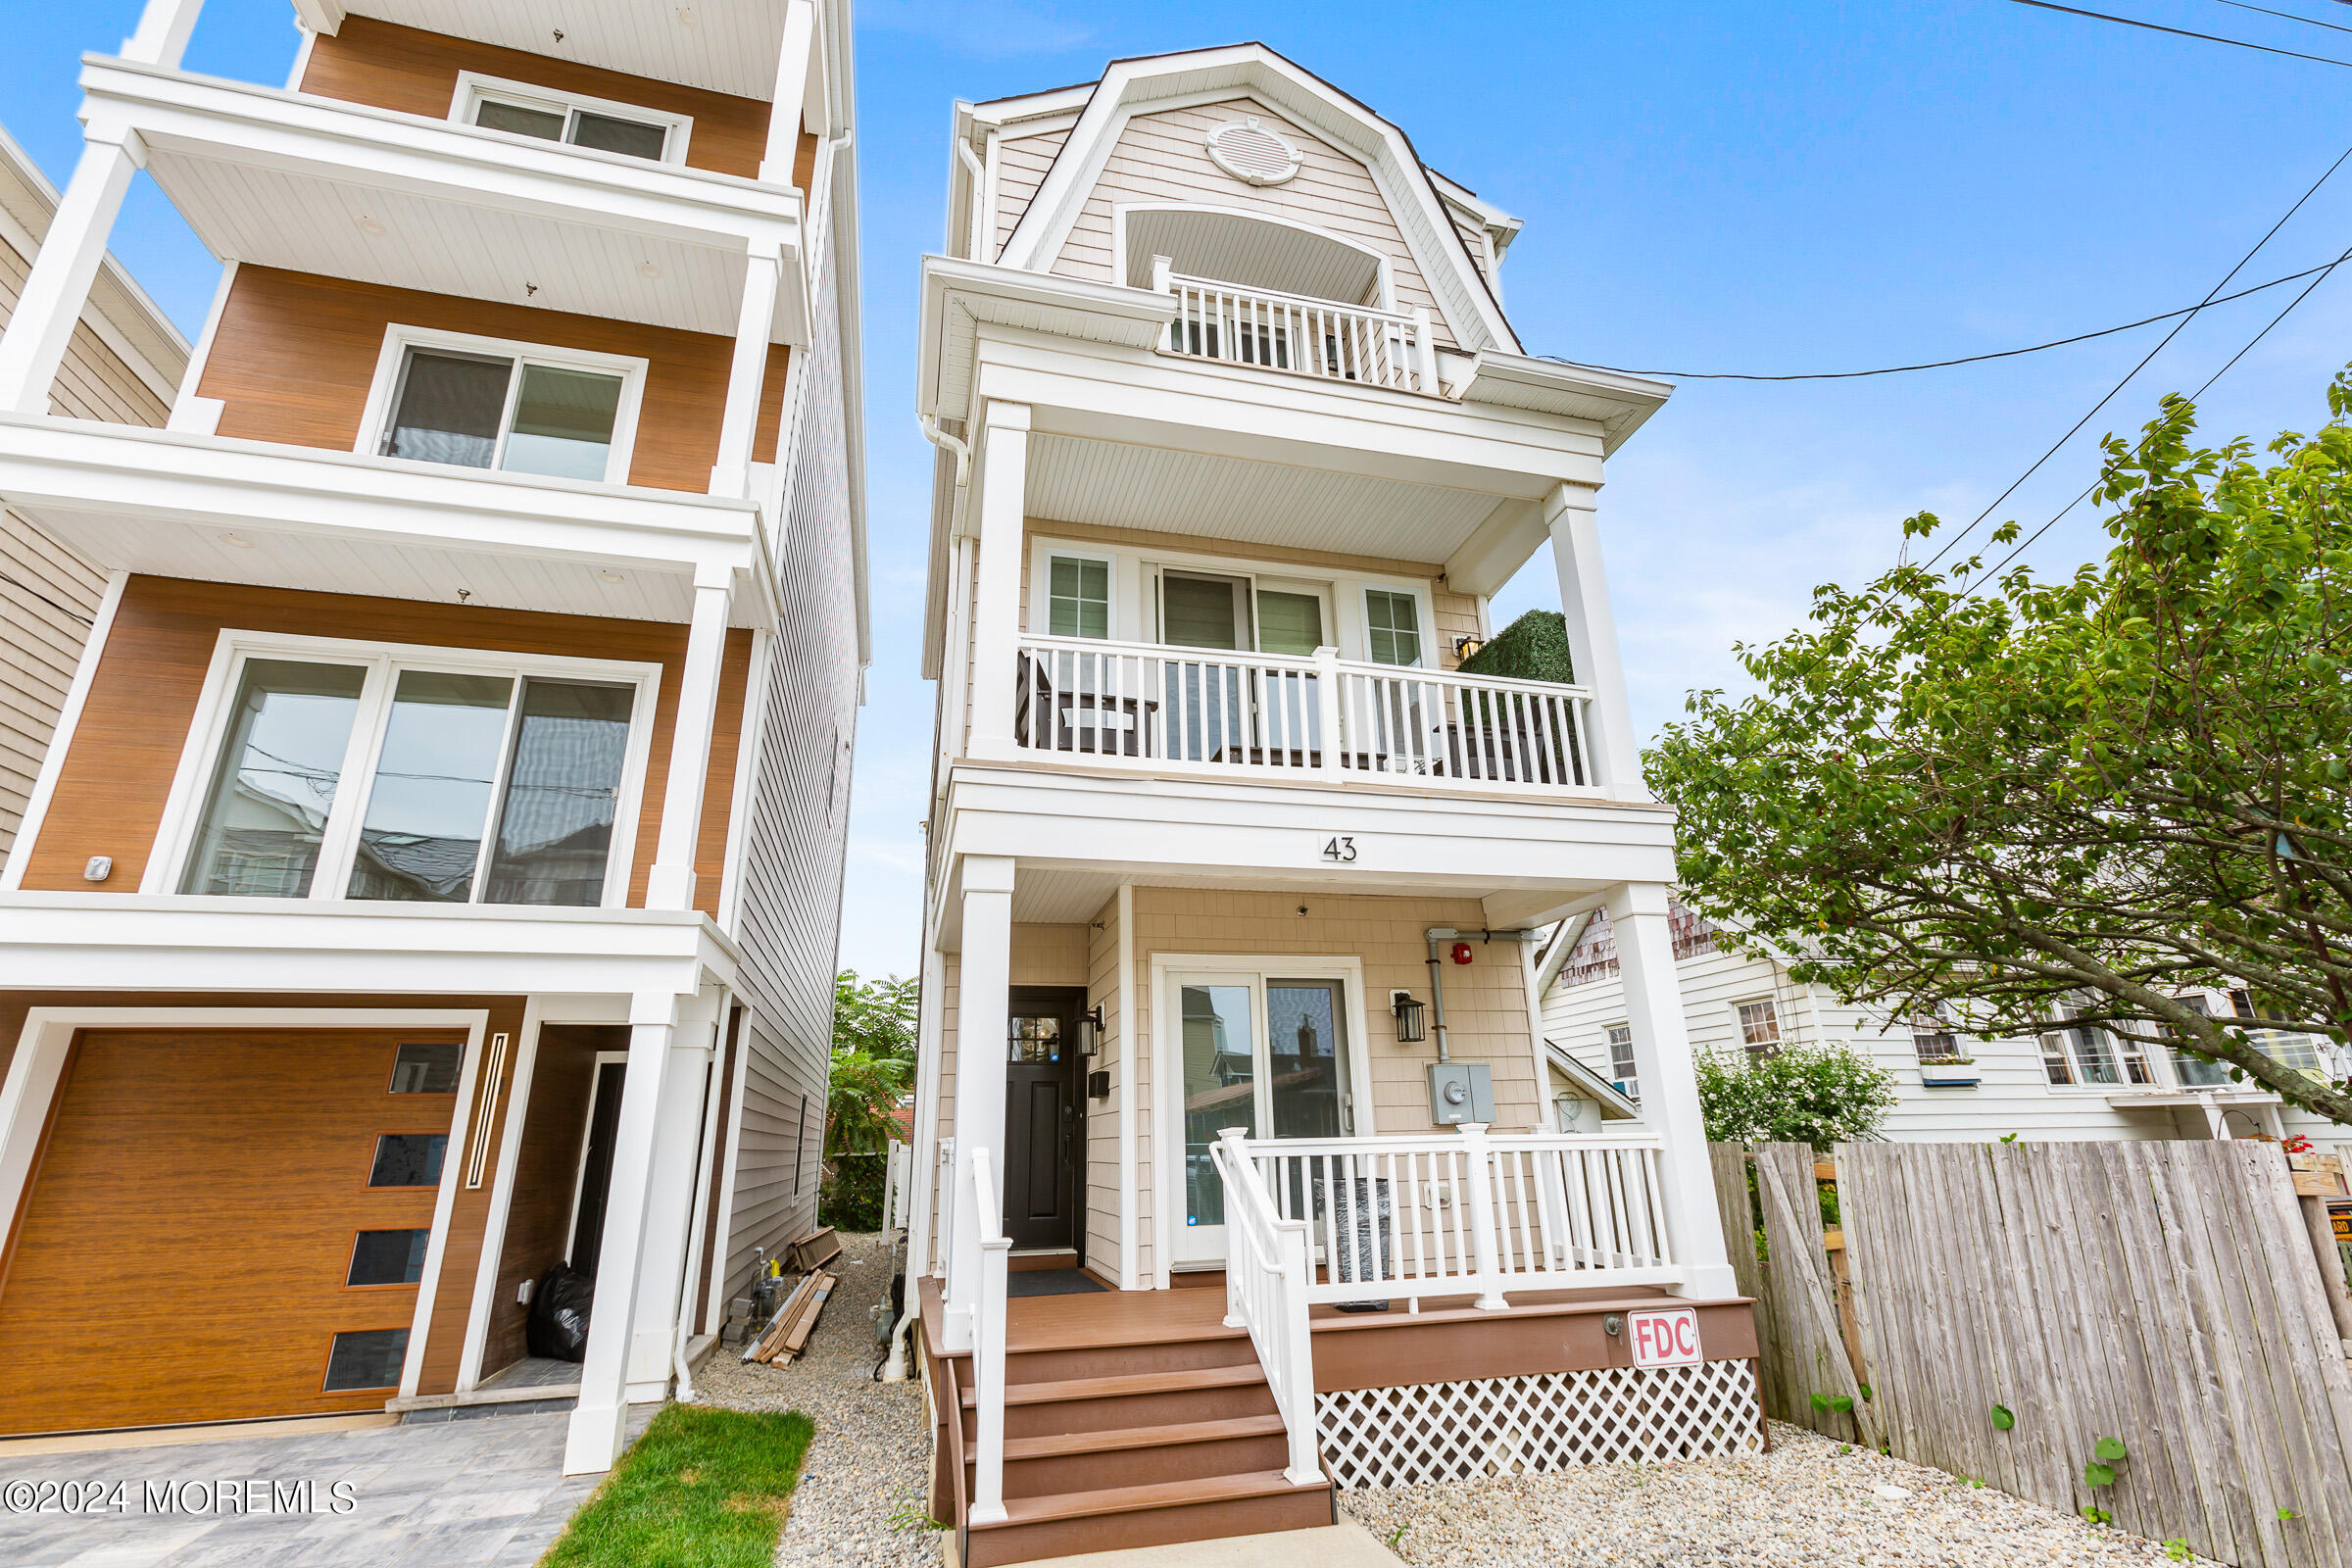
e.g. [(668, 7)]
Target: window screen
[(366, 1358), (1078, 601), (1392, 627), (609, 135), (276, 779), (555, 827), (408, 1160), (388, 1257), (427, 1070), (448, 408)]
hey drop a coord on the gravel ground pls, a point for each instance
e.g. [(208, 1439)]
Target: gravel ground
[(866, 1465), (1810, 1500)]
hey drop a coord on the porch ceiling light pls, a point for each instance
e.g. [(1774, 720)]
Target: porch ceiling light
[(1411, 1030)]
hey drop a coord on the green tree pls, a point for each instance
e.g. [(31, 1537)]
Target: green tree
[(1818, 1095), (873, 1063), (2020, 797), (875, 1017)]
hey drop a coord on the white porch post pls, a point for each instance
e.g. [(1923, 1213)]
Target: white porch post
[(670, 884), (1653, 1005), (669, 1193), (1593, 635), (754, 323), (41, 329), (927, 1196), (600, 1421), (1003, 453), (797, 76), (983, 1004), (161, 38)]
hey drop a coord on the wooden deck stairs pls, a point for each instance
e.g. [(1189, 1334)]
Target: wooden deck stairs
[(1130, 1421)]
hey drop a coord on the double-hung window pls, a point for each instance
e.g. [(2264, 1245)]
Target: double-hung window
[(1760, 1028), (421, 775), (579, 122), (1933, 1040), (1622, 1071), (479, 402), (2083, 1055)]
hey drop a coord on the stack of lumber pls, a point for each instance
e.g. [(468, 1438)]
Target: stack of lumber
[(787, 1333), (815, 1249)]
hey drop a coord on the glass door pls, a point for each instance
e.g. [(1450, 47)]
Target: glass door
[(1292, 620), (1205, 700)]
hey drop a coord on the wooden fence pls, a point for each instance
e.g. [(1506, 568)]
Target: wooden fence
[(2165, 1294)]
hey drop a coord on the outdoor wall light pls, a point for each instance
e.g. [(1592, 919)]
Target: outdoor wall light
[(1467, 647), (1090, 1031), (1410, 1030)]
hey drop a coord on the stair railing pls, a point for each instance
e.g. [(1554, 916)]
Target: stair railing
[(1267, 1275), (980, 1209)]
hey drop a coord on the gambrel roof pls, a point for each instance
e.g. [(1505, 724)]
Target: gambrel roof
[(1431, 213)]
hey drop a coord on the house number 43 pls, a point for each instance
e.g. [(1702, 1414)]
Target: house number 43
[(1340, 848)]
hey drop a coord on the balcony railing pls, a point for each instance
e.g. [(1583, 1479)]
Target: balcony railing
[(1269, 715), (1307, 336)]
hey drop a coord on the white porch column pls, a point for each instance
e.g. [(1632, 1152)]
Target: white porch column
[(1568, 513), (161, 38), (42, 327), (739, 421), (669, 1195), (983, 1004), (1004, 455), (922, 1202), (1653, 1007), (800, 79), (670, 886), (599, 1420)]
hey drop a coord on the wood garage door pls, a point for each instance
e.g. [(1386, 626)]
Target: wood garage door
[(184, 1248)]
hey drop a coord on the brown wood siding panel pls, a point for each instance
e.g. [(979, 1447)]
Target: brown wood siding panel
[(415, 73), (296, 353), (470, 1214), (771, 404), (546, 1172), (1451, 1347), (247, 1150), (118, 773)]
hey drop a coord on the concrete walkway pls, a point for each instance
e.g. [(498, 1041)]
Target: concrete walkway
[(481, 1492)]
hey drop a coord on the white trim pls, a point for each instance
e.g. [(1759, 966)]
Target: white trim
[(1249, 122), (1383, 271), (1041, 553), (502, 1198), (753, 722), (36, 1075), (375, 420), (60, 735), (208, 731), (302, 51), (473, 87), (1131, 1036), (1168, 971), (183, 399), (730, 1172)]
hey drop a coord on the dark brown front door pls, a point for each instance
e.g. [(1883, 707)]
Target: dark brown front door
[(1044, 1126)]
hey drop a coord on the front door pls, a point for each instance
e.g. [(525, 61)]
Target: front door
[(1044, 1126)]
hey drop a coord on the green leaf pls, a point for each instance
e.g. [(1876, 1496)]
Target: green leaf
[(1842, 1403), (2110, 1450), (2095, 1474), (2287, 1513), (1865, 1387), (2004, 1418), (1820, 1402)]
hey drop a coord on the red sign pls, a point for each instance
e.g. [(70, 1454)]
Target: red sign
[(1665, 1337)]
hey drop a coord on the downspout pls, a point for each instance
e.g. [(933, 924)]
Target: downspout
[(1436, 984), (948, 443), (972, 212)]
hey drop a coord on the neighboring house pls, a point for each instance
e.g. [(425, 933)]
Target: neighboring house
[(2072, 1082), (1236, 442), (435, 874), (123, 364)]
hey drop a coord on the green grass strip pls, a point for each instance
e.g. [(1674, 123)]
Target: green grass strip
[(701, 1489)]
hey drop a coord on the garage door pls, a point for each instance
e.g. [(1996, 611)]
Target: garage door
[(224, 1226)]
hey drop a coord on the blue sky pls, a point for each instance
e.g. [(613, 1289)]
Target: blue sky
[(1706, 186)]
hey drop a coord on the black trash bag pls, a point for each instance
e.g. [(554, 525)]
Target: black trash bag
[(557, 1328)]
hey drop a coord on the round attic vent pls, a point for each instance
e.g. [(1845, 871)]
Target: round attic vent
[(1251, 153)]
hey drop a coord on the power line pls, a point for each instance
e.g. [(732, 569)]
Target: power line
[(2183, 33), (1971, 359), (2178, 328), (2287, 16), (1995, 573)]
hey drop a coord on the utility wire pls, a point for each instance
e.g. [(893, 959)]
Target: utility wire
[(1995, 573), (32, 592), (2178, 328), (1970, 359), (2287, 16), (2183, 33)]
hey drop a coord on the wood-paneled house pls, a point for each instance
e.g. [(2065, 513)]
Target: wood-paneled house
[(1229, 1021), (435, 874)]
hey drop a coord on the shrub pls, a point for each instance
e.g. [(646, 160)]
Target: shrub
[(1535, 646), (850, 1201), (1818, 1095)]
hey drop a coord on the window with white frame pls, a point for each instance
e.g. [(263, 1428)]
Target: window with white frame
[(600, 123), (1623, 1073), (2084, 1056), (1759, 1026), (1077, 596), (418, 776), (1933, 1040), (480, 403), (2189, 1071), (1392, 627)]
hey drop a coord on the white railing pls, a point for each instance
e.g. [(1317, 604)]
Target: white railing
[(978, 1206), (1470, 1213), (1268, 1277), (1298, 333), (1272, 713), (897, 1185)]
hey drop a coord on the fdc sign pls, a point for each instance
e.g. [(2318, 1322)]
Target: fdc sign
[(1666, 1338)]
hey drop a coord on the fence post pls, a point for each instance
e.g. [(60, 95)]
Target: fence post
[(1479, 1162)]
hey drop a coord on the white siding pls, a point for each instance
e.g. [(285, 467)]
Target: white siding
[(1165, 157), (1021, 165)]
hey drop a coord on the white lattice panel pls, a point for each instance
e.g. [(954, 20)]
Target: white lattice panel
[(1399, 1437)]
